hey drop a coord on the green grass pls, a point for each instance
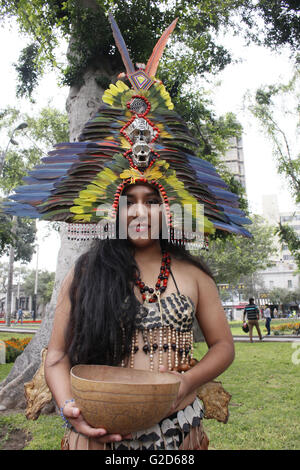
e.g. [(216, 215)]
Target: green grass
[(236, 329), (14, 334), (236, 326), (4, 370), (264, 408), (46, 433)]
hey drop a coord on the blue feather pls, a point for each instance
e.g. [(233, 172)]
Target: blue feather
[(232, 228), (121, 45), (21, 210)]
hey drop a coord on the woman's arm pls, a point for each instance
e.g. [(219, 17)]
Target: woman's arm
[(57, 365), (57, 368), (213, 323)]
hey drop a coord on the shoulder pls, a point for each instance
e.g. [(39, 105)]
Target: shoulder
[(191, 279), (192, 271), (196, 276)]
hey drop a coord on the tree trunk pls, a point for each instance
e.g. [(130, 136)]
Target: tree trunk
[(9, 304), (81, 104)]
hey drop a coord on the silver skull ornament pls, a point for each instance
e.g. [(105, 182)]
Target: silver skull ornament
[(141, 134)]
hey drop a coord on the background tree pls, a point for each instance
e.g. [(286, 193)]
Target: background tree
[(80, 21), (289, 236), (42, 131), (6, 237), (272, 23), (284, 298), (233, 258), (45, 129), (276, 107), (45, 285), (253, 285), (20, 272)]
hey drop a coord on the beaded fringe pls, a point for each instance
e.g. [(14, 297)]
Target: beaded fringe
[(87, 232), (101, 231), (163, 341)]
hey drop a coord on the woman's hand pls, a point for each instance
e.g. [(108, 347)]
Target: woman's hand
[(184, 388), (73, 415)]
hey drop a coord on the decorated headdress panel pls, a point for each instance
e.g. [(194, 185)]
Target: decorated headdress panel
[(136, 136)]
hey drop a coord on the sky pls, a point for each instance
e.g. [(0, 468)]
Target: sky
[(258, 66)]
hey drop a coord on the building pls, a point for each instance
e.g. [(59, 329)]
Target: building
[(270, 208), (234, 160), (283, 272), (292, 219)]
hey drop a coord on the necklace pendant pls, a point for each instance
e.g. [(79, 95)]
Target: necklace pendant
[(147, 299)]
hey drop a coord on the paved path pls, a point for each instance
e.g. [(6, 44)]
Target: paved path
[(15, 329), (269, 339)]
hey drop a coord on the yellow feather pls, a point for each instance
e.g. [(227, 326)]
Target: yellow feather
[(77, 209), (107, 100), (113, 89), (121, 85), (83, 217), (125, 144), (87, 193)]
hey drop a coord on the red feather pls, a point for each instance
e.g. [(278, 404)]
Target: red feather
[(158, 50)]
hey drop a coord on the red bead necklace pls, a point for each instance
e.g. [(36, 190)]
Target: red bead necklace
[(148, 293)]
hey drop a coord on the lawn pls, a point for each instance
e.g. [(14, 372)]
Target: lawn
[(264, 413), (264, 408), (14, 334), (236, 326)]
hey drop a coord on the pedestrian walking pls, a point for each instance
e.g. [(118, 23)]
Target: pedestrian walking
[(251, 311), (267, 316), (20, 316)]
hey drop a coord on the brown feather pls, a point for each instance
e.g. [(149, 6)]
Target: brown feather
[(158, 50)]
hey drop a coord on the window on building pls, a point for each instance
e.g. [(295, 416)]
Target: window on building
[(290, 284)]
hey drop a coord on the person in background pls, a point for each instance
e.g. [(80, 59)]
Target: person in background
[(251, 312), (267, 316), (20, 316)]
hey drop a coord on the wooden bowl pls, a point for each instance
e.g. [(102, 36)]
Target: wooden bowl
[(122, 400)]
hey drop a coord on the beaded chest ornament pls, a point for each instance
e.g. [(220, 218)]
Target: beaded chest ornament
[(166, 324)]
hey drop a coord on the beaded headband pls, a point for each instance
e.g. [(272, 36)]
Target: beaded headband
[(136, 136)]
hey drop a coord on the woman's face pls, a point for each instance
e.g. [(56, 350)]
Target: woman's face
[(140, 214)]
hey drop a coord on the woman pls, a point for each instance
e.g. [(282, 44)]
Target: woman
[(91, 308), (131, 301)]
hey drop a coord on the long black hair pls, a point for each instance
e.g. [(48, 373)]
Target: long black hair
[(103, 303)]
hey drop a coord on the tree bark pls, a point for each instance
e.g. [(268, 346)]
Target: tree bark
[(81, 104)]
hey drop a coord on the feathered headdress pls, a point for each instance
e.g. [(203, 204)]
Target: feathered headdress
[(135, 136)]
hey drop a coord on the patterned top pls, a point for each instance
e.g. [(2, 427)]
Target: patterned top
[(177, 311), (251, 311)]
